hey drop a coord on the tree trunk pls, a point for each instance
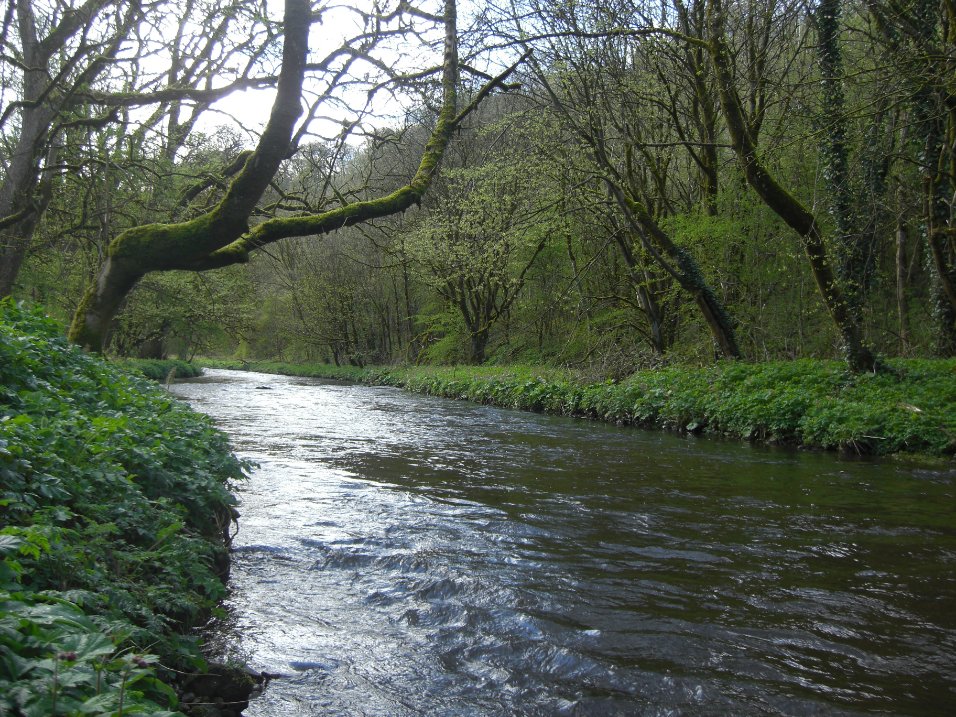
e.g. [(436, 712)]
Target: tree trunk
[(222, 236), (23, 196), (20, 203), (644, 297), (685, 271), (849, 248), (858, 356), (479, 344), (902, 306)]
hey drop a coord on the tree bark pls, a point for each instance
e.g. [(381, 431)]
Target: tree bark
[(647, 301), (785, 205), (849, 250), (222, 236)]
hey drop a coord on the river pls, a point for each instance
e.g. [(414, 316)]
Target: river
[(405, 555)]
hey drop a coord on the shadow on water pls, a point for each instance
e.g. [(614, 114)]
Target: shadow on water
[(404, 555)]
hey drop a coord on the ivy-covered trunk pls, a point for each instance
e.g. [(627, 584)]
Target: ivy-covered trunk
[(848, 245), (846, 318)]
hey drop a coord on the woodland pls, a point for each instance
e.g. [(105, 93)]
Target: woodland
[(593, 184), (672, 211)]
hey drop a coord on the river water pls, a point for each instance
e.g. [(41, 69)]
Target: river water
[(405, 555)]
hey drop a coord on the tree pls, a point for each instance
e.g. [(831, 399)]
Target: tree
[(595, 81), (920, 39), (223, 236), (23, 197), (67, 66), (783, 203), (481, 233)]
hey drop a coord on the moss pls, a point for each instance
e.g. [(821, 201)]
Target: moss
[(160, 246), (77, 333)]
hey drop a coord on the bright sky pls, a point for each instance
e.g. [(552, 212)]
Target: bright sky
[(250, 109)]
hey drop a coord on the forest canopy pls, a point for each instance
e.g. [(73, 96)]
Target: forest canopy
[(605, 185)]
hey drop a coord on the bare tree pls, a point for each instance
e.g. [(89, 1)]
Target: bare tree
[(68, 65)]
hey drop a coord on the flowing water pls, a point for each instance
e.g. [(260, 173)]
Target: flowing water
[(404, 555)]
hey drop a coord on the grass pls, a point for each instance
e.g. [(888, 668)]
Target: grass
[(809, 403)]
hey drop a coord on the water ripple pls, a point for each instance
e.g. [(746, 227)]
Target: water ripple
[(400, 555)]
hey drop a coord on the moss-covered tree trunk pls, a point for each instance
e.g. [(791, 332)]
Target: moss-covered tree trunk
[(785, 205), (222, 236)]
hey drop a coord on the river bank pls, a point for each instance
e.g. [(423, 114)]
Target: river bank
[(812, 404), (115, 518)]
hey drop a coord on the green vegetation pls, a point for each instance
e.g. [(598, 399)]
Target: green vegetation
[(630, 203), (815, 404), (160, 369), (115, 512)]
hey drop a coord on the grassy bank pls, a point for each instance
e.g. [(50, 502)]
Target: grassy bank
[(814, 404), (114, 513), (159, 369)]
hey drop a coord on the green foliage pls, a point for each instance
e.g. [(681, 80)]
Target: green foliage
[(816, 404), (115, 507), (340, 373), (161, 369), (444, 334), (183, 312), (56, 660)]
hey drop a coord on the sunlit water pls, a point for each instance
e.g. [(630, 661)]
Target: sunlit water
[(403, 555)]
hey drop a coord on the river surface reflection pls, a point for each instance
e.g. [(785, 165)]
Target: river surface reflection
[(404, 555)]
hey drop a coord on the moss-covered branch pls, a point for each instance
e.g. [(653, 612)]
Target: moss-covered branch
[(222, 236)]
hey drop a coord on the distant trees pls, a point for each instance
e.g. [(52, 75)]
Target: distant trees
[(625, 109), (918, 41), (686, 180)]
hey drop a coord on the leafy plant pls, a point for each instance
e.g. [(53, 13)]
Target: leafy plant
[(115, 503)]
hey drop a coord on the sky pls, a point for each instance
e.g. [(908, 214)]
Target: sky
[(249, 110)]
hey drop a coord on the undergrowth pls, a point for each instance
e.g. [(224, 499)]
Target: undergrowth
[(160, 369), (114, 514)]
